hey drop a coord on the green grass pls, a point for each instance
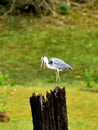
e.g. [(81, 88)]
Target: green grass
[(24, 40)]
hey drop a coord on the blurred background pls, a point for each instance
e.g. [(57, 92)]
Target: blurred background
[(66, 29)]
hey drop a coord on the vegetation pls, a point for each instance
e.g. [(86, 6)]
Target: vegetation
[(40, 7), (71, 37), (24, 40)]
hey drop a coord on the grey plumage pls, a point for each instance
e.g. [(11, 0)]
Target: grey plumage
[(59, 64)]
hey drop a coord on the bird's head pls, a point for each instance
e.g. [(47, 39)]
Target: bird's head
[(44, 60)]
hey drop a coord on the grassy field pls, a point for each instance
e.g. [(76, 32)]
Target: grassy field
[(24, 40), (73, 38)]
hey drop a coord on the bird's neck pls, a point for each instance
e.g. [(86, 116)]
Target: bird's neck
[(47, 65), (50, 66)]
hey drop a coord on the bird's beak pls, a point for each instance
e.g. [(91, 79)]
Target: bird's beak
[(43, 66)]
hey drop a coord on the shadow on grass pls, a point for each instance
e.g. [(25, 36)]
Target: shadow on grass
[(93, 90)]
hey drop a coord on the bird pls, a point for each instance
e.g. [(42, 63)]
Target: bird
[(55, 64)]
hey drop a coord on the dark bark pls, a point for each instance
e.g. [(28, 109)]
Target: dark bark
[(4, 117), (50, 114)]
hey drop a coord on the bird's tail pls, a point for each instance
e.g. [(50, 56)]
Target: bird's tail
[(69, 67)]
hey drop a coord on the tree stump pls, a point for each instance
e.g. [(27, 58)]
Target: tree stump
[(49, 114), (4, 117)]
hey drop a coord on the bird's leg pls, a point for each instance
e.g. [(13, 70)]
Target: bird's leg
[(57, 78)]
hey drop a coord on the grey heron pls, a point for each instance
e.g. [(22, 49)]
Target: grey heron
[(55, 64)]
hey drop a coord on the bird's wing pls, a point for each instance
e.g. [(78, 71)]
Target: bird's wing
[(59, 64)]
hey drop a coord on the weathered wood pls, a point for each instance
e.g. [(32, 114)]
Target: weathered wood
[(49, 114), (4, 117)]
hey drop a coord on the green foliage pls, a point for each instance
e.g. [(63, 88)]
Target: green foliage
[(64, 8), (89, 77), (5, 5), (2, 9), (5, 80)]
